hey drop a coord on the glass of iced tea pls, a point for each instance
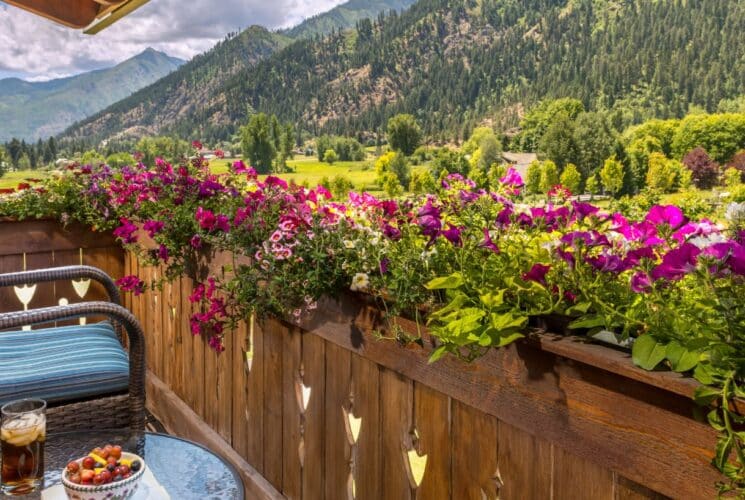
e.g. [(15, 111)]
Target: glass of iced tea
[(22, 435)]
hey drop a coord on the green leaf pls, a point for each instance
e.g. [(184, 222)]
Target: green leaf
[(455, 280), (704, 373), (580, 308), (438, 353), (507, 321), (587, 322), (508, 339), (715, 420), (493, 299), (647, 353), (704, 395), (724, 447), (681, 359)]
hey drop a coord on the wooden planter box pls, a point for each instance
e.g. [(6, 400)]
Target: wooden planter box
[(549, 417)]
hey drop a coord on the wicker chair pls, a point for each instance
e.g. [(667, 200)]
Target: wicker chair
[(109, 411)]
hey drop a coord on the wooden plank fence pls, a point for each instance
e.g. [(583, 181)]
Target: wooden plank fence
[(325, 410)]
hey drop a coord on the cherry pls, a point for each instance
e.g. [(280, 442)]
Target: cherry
[(116, 451), (73, 467), (105, 476), (97, 479), (88, 463), (86, 475), (111, 460)]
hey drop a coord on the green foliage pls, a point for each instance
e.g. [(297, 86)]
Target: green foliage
[(594, 140), (91, 157), (168, 148), (347, 148), (422, 182), (571, 178), (539, 119), (399, 166), (720, 135), (330, 156), (638, 152), (119, 160), (611, 175), (732, 177), (451, 161), (593, 186), (533, 177), (662, 172), (24, 163), (340, 186), (391, 185), (257, 143), (549, 176), (404, 134), (558, 143)]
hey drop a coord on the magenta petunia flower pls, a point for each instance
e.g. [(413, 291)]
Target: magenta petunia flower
[(391, 232), (488, 243), (126, 232), (641, 282), (512, 179), (428, 219), (666, 214), (537, 273), (206, 218), (677, 263), (730, 253), (452, 234), (152, 227), (131, 284), (196, 242)]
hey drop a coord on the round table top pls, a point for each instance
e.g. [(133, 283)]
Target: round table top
[(185, 469)]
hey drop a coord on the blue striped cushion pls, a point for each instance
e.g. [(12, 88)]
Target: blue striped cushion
[(62, 364)]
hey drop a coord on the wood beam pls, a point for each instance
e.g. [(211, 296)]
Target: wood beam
[(72, 13)]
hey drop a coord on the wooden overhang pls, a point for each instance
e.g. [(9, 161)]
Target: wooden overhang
[(90, 15)]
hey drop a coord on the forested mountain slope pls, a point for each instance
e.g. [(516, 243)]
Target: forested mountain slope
[(453, 63), (30, 110)]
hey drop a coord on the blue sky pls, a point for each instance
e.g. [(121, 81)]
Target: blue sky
[(34, 48)]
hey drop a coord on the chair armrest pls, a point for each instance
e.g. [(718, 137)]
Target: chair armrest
[(120, 315), (63, 273)]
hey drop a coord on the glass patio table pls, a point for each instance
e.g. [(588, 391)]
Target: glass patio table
[(185, 469)]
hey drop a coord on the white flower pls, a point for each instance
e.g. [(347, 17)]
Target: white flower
[(348, 244), (708, 240), (735, 213), (428, 253), (374, 242), (360, 282)]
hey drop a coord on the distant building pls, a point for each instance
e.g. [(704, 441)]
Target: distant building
[(520, 161)]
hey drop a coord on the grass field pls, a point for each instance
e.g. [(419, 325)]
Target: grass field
[(12, 179), (309, 169)]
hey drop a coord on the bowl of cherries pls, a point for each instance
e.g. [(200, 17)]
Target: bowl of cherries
[(105, 473)]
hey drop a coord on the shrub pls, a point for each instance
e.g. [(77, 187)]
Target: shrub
[(661, 173), (549, 176), (422, 182), (738, 163), (340, 187), (732, 177), (611, 175), (571, 178), (330, 156), (705, 171), (533, 177)]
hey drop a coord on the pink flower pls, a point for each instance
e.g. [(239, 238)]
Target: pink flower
[(512, 179), (666, 214), (196, 242), (677, 263), (196, 145), (126, 232), (537, 273), (131, 284), (163, 253), (152, 227), (488, 243), (641, 282)]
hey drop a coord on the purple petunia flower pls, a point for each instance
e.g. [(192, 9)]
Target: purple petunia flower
[(452, 234), (677, 263), (428, 219), (131, 284), (384, 262), (392, 233), (512, 179)]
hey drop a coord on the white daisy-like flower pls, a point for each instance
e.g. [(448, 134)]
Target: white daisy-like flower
[(348, 244), (360, 282)]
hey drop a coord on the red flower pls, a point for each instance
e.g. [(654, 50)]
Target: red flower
[(23, 186), (196, 145)]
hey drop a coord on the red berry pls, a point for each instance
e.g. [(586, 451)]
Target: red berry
[(86, 476), (75, 478), (116, 451), (105, 476), (118, 471), (124, 469), (111, 460), (125, 476), (97, 479), (88, 463), (73, 467)]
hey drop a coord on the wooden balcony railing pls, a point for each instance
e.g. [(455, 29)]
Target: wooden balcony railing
[(324, 409)]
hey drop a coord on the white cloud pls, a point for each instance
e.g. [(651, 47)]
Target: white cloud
[(32, 47)]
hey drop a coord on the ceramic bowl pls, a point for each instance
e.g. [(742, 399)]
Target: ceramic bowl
[(119, 490)]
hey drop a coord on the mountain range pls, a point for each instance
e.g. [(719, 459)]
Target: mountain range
[(454, 64), (33, 110)]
